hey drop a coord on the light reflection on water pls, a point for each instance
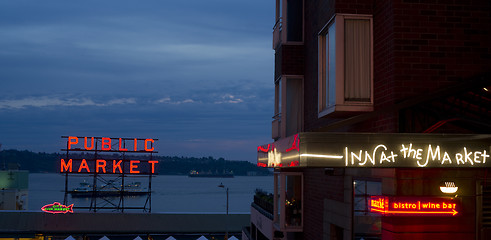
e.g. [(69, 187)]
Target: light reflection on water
[(169, 193)]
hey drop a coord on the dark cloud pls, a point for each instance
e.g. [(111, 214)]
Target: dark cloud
[(195, 74)]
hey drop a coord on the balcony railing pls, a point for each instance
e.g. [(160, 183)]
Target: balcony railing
[(246, 233), (265, 201), (277, 32)]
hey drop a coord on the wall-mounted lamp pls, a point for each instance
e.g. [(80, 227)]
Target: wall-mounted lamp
[(449, 187)]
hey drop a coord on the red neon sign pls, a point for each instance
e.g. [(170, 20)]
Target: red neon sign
[(56, 207), (108, 166), (414, 206), (107, 144), (295, 144)]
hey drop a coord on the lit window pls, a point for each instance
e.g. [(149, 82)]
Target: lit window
[(346, 65), (363, 191), (289, 206), (367, 225)]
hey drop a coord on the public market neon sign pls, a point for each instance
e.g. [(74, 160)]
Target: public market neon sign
[(106, 144), (108, 166), (414, 206)]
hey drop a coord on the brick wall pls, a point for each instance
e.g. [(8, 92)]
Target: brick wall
[(438, 42), (421, 46), (317, 14), (292, 60), (319, 186)]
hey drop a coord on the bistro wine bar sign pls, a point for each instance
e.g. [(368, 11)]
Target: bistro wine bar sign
[(414, 206)]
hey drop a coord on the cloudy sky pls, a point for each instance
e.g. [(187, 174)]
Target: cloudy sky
[(197, 75)]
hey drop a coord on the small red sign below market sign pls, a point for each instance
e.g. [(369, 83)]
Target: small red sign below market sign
[(56, 207), (414, 206)]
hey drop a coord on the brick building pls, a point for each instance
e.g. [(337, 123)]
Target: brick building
[(405, 82)]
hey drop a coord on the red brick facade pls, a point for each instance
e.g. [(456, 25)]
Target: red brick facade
[(419, 48)]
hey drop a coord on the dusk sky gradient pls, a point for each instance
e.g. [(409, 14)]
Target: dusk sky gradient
[(197, 75)]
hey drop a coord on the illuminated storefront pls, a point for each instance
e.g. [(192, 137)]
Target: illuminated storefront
[(379, 186)]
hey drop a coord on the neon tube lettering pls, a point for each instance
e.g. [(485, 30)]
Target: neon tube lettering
[(467, 156), (153, 165), (100, 164), (70, 142), (146, 145), (353, 156), (133, 166), (85, 143), (83, 164), (106, 144), (446, 157), (66, 166), (117, 166), (121, 147)]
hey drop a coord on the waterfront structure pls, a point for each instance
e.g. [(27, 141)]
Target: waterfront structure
[(381, 110), (14, 189)]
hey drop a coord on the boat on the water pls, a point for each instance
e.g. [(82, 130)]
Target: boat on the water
[(224, 174), (108, 190)]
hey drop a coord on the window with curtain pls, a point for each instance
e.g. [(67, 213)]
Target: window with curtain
[(345, 65), (357, 57)]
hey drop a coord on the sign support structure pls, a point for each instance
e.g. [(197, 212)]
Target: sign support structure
[(109, 162)]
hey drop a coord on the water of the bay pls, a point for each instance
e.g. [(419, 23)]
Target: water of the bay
[(176, 194)]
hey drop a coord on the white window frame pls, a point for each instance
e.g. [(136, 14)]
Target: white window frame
[(341, 106)]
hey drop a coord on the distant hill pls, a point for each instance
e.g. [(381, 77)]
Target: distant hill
[(50, 162)]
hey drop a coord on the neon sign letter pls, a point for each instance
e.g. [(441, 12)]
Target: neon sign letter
[(120, 147), (100, 164), (70, 142), (106, 144), (83, 164), (117, 165), (153, 165), (85, 144), (146, 145), (133, 166), (66, 166)]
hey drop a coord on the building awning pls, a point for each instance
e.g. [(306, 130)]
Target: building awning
[(322, 149)]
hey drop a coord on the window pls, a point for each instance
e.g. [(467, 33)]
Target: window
[(288, 204), (346, 65), (367, 225), (293, 201), (363, 191), (276, 124), (288, 116), (288, 26)]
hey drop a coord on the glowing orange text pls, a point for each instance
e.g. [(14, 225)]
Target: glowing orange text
[(110, 144), (414, 206), (107, 166)]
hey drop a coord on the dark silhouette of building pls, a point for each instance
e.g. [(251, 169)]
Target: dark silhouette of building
[(372, 75)]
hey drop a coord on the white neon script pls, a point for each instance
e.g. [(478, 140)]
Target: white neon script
[(381, 155)]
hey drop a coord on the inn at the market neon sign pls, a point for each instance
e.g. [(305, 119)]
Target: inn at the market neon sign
[(109, 166), (377, 150), (414, 206)]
